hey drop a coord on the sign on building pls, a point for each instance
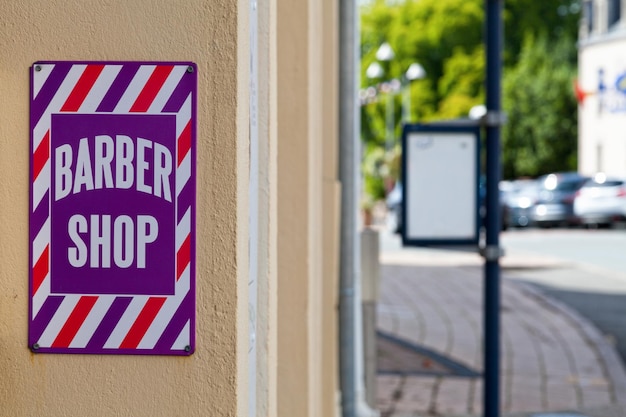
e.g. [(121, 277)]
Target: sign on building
[(112, 207)]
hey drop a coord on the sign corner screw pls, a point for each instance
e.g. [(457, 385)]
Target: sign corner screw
[(187, 348), (190, 69), (36, 346), (37, 68)]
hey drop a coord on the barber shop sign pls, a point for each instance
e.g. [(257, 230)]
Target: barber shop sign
[(112, 207)]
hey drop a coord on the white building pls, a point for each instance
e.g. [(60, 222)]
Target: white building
[(601, 88)]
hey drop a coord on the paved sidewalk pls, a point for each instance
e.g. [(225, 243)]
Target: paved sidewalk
[(552, 360)]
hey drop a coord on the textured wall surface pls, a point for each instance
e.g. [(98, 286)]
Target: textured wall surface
[(212, 381)]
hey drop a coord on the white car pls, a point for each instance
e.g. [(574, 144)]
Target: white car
[(601, 201)]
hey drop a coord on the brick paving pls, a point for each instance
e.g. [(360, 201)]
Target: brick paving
[(552, 360)]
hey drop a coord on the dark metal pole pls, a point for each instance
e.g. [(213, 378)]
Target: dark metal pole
[(492, 252)]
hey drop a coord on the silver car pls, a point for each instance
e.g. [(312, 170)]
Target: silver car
[(601, 201), (518, 202), (555, 199)]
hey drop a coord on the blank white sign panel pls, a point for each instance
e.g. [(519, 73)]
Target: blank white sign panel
[(441, 186)]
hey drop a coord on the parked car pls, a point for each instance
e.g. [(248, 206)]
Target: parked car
[(518, 200), (555, 199), (601, 201), (505, 188)]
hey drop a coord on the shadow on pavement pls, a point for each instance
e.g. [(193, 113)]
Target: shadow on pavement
[(399, 357)]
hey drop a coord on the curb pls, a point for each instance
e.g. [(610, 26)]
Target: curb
[(614, 366)]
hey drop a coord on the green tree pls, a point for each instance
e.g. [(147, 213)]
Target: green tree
[(540, 135), (429, 32), (554, 19), (461, 86), (446, 38)]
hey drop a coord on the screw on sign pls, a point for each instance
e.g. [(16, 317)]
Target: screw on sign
[(112, 219)]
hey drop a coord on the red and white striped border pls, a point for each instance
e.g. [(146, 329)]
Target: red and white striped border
[(144, 320)]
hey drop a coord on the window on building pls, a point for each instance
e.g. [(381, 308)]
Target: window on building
[(588, 15), (615, 11)]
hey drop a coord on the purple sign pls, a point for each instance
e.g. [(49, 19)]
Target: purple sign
[(113, 208), (112, 184)]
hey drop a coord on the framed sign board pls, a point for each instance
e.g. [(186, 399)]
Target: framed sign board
[(112, 207), (440, 175)]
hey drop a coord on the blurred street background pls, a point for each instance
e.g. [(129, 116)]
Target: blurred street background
[(564, 296)]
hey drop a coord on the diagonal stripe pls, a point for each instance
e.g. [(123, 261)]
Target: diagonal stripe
[(168, 88), (183, 174), (40, 297), (183, 228), (38, 220), (185, 199), (108, 323), (41, 269), (82, 88), (41, 318), (182, 93), (40, 256), (43, 123), (118, 87), (122, 326), (41, 240), (184, 339), (140, 326), (46, 92), (164, 317), (93, 320), (184, 143), (100, 89), (151, 89), (184, 283), (183, 116), (74, 321), (41, 155), (134, 89), (40, 76), (41, 187), (183, 256), (56, 323), (172, 331)]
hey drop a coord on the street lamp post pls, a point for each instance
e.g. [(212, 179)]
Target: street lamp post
[(415, 72), (385, 53), (374, 71), (390, 89), (387, 88)]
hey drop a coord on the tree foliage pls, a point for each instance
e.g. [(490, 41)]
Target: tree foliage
[(554, 19), (446, 38), (541, 132)]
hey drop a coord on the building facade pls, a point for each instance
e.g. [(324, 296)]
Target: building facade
[(267, 198), (601, 88)]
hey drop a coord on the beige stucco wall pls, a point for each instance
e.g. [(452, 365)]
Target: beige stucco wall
[(331, 208), (212, 382), (297, 369), (308, 201), (295, 211)]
